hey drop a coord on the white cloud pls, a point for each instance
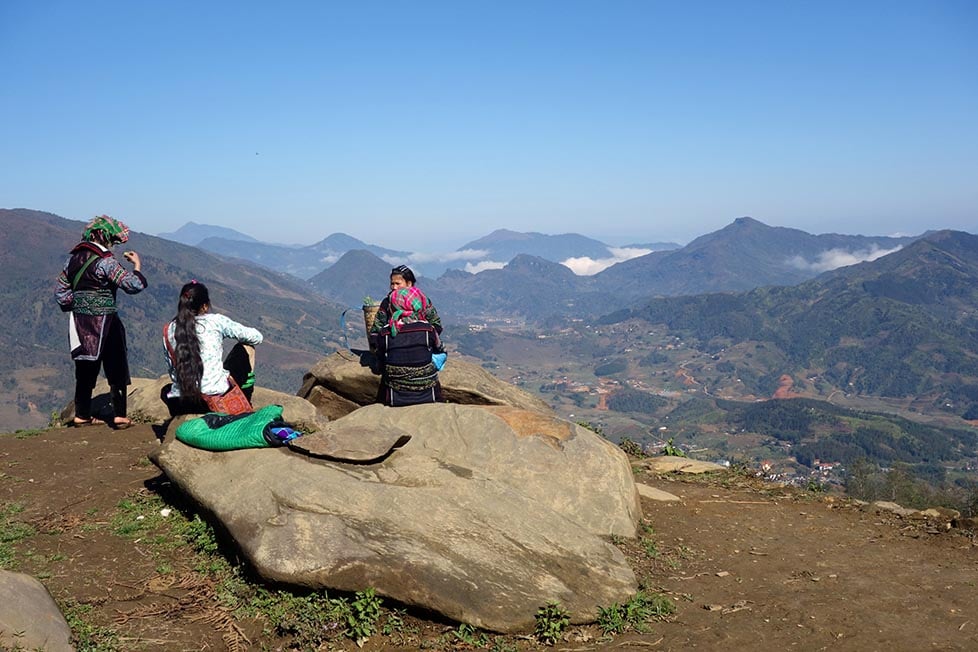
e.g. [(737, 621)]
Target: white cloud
[(329, 260), (448, 257), (835, 258), (585, 266), (482, 266)]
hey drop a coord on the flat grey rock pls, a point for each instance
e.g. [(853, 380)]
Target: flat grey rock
[(359, 445)]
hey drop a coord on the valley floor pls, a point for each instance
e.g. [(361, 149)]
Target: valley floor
[(749, 566)]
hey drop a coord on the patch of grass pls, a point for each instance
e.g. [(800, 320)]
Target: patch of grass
[(199, 535), (11, 531), (634, 614), (27, 434), (308, 620), (551, 621), (650, 547), (85, 635), (137, 514)]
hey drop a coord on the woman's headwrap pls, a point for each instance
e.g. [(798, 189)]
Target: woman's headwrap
[(408, 305), (115, 232)]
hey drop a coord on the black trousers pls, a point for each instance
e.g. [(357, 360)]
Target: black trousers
[(115, 363)]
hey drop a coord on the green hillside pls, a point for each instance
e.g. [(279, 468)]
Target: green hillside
[(904, 325)]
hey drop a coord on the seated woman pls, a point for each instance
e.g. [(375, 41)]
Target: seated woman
[(193, 347), (404, 347), (401, 277)]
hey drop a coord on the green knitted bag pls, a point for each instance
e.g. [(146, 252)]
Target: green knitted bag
[(222, 432)]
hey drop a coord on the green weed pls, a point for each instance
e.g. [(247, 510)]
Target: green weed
[(551, 621), (471, 635), (634, 614), (650, 547), (361, 620), (672, 450)]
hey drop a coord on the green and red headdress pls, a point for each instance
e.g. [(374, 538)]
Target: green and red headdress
[(113, 231), (409, 305)]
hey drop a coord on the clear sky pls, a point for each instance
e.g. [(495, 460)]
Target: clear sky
[(423, 125)]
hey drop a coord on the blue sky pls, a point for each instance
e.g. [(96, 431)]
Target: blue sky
[(423, 125)]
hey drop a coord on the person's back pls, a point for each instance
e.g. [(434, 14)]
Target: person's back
[(404, 348), (193, 349)]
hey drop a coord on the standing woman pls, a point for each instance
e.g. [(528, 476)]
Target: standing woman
[(401, 277), (86, 289), (194, 346)]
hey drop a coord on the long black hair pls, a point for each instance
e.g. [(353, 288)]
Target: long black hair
[(188, 364)]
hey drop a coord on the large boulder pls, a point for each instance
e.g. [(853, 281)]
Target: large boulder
[(343, 381), (29, 617), (483, 514)]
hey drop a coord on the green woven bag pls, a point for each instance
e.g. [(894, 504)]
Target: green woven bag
[(220, 432)]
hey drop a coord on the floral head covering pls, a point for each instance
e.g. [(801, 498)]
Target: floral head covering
[(409, 305), (114, 231)]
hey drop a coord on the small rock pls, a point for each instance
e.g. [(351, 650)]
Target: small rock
[(899, 510), (652, 493)]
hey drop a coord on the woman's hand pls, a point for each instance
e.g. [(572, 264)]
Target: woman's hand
[(133, 258)]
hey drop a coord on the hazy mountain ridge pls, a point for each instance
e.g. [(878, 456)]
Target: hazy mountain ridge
[(193, 234), (303, 262)]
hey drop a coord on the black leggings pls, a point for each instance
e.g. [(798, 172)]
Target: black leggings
[(86, 375)]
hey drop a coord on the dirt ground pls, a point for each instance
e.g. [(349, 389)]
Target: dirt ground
[(749, 566)]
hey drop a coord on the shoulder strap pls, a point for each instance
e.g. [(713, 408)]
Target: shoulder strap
[(74, 281)]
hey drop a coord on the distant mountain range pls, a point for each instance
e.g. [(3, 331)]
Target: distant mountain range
[(744, 255), (303, 262), (299, 325), (904, 325), (491, 251)]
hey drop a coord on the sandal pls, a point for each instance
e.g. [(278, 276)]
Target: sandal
[(123, 424), (84, 423)]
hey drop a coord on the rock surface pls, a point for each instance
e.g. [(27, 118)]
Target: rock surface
[(484, 515), (669, 463), (340, 382), (645, 491), (29, 617)]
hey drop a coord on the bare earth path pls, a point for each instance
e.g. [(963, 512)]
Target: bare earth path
[(750, 567), (771, 573)]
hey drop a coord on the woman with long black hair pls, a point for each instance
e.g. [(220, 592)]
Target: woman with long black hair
[(193, 347)]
